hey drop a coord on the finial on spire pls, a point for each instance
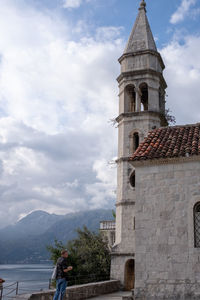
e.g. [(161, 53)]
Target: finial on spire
[(143, 5)]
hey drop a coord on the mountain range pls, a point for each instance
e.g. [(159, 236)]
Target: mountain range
[(26, 241)]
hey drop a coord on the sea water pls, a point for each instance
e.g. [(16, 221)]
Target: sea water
[(30, 278)]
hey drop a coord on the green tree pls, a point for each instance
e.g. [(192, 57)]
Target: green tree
[(167, 119), (114, 214), (55, 250), (88, 254)]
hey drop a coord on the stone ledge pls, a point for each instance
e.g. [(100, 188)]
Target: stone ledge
[(77, 292), (131, 254)]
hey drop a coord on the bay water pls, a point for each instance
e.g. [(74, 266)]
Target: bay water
[(30, 278)]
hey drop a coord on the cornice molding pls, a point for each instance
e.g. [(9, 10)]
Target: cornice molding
[(125, 203), (142, 72), (137, 114), (122, 254), (121, 159), (143, 52), (164, 161)]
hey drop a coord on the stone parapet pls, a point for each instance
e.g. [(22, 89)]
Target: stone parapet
[(77, 292)]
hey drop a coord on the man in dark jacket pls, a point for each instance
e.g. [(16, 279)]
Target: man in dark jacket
[(62, 275), (1, 287)]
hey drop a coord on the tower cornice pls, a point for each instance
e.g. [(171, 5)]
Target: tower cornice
[(143, 52), (137, 114), (142, 72)]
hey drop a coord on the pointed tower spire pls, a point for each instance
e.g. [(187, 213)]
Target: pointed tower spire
[(142, 4), (141, 37)]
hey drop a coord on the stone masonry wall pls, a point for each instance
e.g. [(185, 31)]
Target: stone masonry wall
[(167, 266)]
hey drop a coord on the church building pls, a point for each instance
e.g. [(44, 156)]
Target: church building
[(157, 246)]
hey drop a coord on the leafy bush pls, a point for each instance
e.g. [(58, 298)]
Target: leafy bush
[(88, 254)]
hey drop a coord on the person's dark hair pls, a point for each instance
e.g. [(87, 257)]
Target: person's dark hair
[(63, 251)]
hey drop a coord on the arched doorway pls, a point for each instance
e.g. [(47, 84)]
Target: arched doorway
[(129, 275)]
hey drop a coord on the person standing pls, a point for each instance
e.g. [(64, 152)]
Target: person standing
[(1, 283), (62, 275), (1, 287)]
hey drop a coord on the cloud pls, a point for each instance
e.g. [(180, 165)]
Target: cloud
[(57, 94), (105, 189), (182, 74), (51, 172), (182, 11), (108, 33), (72, 3)]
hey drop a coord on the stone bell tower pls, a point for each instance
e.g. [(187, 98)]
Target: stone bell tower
[(141, 109)]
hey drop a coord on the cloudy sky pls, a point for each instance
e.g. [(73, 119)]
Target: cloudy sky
[(58, 95)]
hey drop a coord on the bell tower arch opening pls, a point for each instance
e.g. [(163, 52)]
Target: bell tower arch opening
[(129, 275), (161, 100), (130, 98), (144, 97)]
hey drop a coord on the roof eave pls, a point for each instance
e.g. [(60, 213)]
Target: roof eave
[(163, 161)]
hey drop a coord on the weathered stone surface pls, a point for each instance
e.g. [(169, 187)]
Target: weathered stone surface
[(167, 263)]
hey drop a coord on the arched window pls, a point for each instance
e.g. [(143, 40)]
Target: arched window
[(144, 96), (130, 97), (136, 141), (197, 225), (132, 179), (160, 99)]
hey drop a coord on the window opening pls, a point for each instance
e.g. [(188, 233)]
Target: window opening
[(132, 180), (160, 99), (131, 98), (197, 225), (144, 96), (136, 140)]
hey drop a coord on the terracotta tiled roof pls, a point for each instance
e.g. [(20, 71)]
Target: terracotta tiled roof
[(168, 142)]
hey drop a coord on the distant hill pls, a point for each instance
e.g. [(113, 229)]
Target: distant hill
[(26, 241), (35, 223)]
